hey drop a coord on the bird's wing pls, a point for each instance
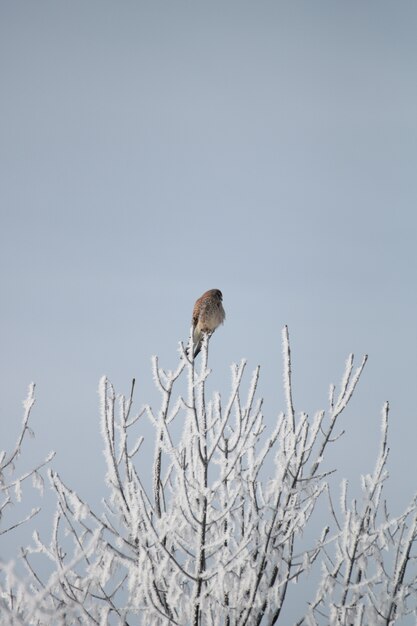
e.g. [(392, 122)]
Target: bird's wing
[(196, 312)]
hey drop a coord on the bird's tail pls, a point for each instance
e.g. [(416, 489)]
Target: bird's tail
[(197, 343)]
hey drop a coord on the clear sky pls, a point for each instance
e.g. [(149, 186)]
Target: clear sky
[(152, 150)]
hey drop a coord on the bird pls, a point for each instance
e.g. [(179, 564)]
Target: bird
[(208, 314)]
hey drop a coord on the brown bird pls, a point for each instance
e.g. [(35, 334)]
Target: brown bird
[(208, 314)]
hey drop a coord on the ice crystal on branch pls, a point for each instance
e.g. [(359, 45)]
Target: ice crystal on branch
[(209, 531)]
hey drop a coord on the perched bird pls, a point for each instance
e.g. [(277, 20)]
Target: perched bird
[(208, 314)]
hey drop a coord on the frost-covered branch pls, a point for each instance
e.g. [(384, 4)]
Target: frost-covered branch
[(14, 594), (10, 484), (205, 524), (364, 578)]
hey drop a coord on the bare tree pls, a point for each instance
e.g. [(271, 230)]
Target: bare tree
[(210, 531), (11, 481), (364, 577)]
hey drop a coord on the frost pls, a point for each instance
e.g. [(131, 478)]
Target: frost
[(213, 531), (18, 490), (38, 482)]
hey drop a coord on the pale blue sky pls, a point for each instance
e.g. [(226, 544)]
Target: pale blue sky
[(152, 150)]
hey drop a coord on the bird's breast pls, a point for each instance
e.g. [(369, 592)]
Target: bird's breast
[(211, 318)]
